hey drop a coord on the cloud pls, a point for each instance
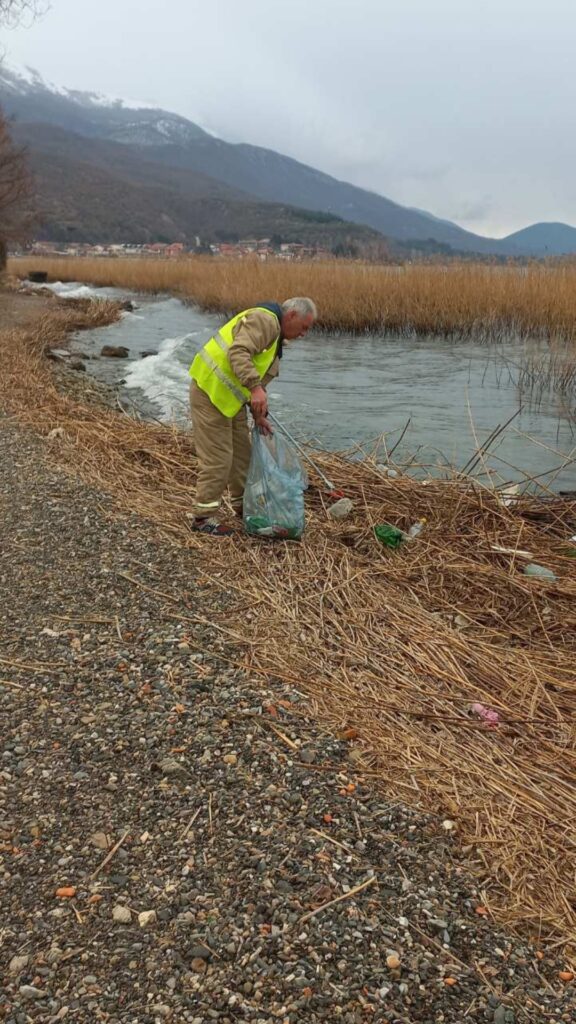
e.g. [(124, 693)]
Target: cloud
[(473, 210), (464, 110)]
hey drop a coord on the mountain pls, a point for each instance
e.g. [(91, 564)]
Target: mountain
[(120, 144), (25, 95), (176, 142), (544, 239), (94, 190)]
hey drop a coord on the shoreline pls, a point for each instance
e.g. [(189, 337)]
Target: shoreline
[(538, 473), (129, 443), (466, 298)]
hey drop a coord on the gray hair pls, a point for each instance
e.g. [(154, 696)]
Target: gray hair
[(303, 306)]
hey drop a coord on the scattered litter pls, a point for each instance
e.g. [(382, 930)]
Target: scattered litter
[(66, 892), (56, 432), (388, 535), (461, 621), (341, 509), (488, 715), (386, 471), (416, 529), (512, 551), (539, 571), (508, 495)]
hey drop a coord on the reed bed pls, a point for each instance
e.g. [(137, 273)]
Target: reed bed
[(478, 300), (390, 648)]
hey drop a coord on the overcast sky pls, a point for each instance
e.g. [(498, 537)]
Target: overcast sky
[(464, 108)]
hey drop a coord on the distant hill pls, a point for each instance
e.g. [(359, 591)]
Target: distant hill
[(92, 190), (545, 239), (135, 168)]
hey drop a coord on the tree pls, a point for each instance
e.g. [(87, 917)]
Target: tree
[(346, 250), (12, 12), (16, 191)]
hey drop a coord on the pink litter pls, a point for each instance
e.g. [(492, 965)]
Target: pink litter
[(488, 715)]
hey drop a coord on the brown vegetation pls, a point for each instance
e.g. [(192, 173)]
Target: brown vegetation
[(391, 648), (471, 299)]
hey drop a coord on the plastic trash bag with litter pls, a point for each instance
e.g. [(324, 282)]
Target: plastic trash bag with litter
[(274, 492)]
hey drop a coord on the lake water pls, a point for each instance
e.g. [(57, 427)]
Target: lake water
[(341, 391)]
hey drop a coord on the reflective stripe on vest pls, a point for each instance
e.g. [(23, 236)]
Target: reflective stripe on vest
[(213, 374)]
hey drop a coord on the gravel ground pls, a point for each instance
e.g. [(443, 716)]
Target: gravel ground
[(171, 829)]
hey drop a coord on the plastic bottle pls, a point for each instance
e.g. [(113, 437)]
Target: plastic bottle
[(386, 471), (540, 571), (341, 509), (416, 529), (389, 535)]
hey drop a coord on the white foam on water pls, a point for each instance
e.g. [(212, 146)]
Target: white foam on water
[(163, 378), (68, 289)]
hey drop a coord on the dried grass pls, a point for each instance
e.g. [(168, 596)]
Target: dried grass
[(472, 299), (373, 638)]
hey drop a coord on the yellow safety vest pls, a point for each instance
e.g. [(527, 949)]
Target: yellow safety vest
[(212, 372)]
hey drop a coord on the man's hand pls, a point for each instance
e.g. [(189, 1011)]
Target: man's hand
[(263, 426), (259, 403)]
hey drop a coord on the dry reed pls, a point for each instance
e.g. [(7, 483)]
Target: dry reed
[(394, 646), (471, 299)]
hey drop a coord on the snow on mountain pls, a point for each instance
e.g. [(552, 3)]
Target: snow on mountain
[(127, 120), (24, 79)]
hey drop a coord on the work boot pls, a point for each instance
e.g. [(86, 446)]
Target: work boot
[(211, 526)]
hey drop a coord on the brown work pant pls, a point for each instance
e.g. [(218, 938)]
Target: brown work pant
[(223, 450)]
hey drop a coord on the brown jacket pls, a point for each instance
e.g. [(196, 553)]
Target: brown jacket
[(252, 335)]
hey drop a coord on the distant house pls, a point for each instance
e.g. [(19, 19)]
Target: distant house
[(174, 250)]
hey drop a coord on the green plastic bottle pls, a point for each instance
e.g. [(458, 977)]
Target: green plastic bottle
[(389, 536)]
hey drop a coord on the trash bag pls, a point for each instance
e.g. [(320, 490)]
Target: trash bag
[(274, 492)]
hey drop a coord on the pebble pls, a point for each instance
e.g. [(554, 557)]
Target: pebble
[(504, 1015), (100, 840), (121, 914), (200, 953), (308, 756), (18, 963), (146, 918), (31, 992)]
